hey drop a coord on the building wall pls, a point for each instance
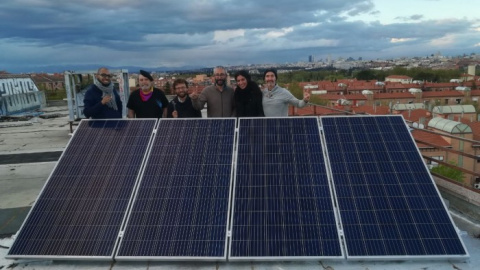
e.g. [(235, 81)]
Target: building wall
[(457, 116), (52, 86), (399, 79), (460, 160)]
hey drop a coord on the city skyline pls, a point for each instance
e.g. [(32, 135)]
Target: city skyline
[(154, 33)]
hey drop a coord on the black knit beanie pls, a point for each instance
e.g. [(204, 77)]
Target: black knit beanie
[(270, 70)]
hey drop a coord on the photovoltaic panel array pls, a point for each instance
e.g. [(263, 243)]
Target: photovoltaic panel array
[(283, 207), (182, 206), (388, 202), (81, 207)]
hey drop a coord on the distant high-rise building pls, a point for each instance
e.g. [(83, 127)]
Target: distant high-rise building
[(471, 70), (311, 58)]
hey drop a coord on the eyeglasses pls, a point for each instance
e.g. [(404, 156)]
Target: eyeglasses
[(220, 75), (180, 88), (103, 75)]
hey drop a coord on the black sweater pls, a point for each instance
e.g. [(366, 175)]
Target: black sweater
[(248, 101)]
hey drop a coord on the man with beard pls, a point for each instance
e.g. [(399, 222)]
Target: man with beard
[(147, 102), (276, 99), (219, 97), (101, 100), (181, 106)]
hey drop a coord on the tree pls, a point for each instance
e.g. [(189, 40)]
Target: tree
[(296, 90), (167, 88), (365, 75), (316, 99)]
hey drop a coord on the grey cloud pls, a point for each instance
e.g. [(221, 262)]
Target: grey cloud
[(182, 31), (415, 17), (90, 22)]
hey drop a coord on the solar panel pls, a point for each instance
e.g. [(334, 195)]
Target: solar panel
[(82, 205), (282, 206), (389, 205), (182, 205)]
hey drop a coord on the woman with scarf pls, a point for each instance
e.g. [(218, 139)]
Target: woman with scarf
[(101, 100), (248, 96)]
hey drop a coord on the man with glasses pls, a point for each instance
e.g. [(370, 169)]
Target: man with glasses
[(218, 97), (181, 106), (102, 100)]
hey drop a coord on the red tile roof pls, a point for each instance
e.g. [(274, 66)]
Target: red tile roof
[(430, 138), (442, 94), (317, 110), (475, 93), (405, 95), (355, 97), (451, 85), (415, 115), (372, 110), (330, 97), (390, 85)]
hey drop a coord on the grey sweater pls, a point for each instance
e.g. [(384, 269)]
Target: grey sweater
[(219, 104), (276, 101)]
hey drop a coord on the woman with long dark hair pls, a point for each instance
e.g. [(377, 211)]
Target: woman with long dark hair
[(248, 96)]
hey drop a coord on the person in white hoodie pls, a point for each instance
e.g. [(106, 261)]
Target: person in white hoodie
[(276, 99)]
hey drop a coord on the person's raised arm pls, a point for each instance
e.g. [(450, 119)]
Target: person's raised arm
[(198, 100)]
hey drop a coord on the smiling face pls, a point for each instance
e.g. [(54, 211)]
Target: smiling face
[(241, 81), (103, 76), (144, 82), (181, 90), (220, 76), (270, 80)]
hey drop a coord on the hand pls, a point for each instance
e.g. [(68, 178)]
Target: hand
[(193, 95), (175, 114), (106, 99), (306, 96)]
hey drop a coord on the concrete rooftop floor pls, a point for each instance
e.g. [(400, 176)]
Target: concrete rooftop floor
[(21, 183)]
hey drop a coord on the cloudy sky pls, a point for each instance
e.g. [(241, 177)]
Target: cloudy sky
[(176, 33)]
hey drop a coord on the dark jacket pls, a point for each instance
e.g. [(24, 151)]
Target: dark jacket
[(152, 108), (93, 107), (248, 101), (185, 109)]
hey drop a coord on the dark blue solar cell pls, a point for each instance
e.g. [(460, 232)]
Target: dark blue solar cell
[(81, 208), (183, 197), (289, 213), (397, 201), (389, 230)]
